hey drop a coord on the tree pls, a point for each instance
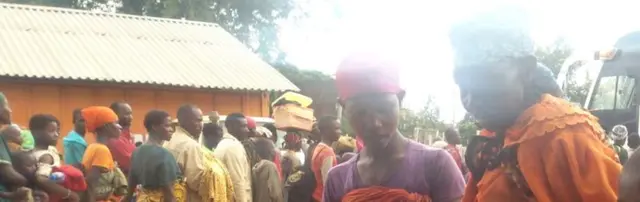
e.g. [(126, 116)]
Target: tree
[(297, 75), (255, 23), (467, 128), (553, 56), (75, 4), (428, 118)]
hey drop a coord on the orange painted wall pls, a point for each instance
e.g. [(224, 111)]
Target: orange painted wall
[(28, 98)]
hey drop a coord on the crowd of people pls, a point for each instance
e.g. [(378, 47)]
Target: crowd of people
[(534, 146), (101, 161)]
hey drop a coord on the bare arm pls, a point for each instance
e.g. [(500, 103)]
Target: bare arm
[(167, 192), (132, 187), (51, 187), (9, 176), (19, 194), (92, 181), (324, 169)]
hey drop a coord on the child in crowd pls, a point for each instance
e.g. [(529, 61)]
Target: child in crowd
[(13, 138), (26, 164), (266, 186)]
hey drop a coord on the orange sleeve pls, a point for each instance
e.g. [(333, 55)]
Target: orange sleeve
[(470, 191), (572, 164), (98, 155)]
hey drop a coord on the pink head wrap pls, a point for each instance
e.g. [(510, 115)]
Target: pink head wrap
[(365, 73)]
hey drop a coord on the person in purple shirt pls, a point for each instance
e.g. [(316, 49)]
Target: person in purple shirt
[(390, 167)]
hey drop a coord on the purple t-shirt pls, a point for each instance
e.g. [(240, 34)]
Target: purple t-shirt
[(425, 170)]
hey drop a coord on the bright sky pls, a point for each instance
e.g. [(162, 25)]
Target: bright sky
[(415, 33)]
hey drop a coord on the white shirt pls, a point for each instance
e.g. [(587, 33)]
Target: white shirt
[(232, 154)]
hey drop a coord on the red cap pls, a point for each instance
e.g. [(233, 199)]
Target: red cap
[(366, 73), (251, 124), (292, 138)]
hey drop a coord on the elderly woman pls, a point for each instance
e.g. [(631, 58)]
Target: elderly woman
[(544, 148), (106, 182)]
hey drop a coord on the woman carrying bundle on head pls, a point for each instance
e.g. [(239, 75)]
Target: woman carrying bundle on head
[(292, 156)]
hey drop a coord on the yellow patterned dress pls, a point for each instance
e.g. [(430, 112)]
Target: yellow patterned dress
[(153, 167), (216, 185), (155, 195)]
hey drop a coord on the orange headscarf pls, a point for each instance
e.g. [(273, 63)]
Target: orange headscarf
[(378, 193), (97, 116), (486, 133)]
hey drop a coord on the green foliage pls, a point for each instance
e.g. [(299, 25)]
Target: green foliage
[(299, 76), (255, 23), (553, 56), (467, 128), (428, 118)]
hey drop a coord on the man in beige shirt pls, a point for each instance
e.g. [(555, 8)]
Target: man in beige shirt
[(234, 156), (186, 149)]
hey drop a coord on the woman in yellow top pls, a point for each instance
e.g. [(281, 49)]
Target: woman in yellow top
[(105, 181)]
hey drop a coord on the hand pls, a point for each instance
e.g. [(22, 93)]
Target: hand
[(73, 197), (21, 193), (42, 196)]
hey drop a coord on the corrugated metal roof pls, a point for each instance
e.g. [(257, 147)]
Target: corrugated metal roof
[(54, 43)]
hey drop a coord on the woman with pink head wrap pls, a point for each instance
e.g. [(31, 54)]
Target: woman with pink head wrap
[(389, 165)]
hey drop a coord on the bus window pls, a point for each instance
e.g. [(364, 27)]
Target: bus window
[(607, 97)]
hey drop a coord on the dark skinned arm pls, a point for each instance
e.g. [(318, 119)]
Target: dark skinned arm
[(167, 192), (49, 186), (132, 187), (92, 181), (9, 176), (19, 194), (6, 195), (53, 188)]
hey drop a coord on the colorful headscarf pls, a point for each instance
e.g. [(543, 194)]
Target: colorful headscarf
[(251, 124), (366, 73), (359, 143), (345, 143), (491, 37), (97, 116), (291, 138)]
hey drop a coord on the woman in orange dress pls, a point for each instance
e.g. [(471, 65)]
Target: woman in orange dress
[(544, 149), (106, 182)]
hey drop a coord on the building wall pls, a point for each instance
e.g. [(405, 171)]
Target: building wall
[(60, 99)]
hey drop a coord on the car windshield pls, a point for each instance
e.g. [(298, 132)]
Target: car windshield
[(613, 92)]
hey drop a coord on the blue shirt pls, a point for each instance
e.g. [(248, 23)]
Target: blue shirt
[(74, 147)]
